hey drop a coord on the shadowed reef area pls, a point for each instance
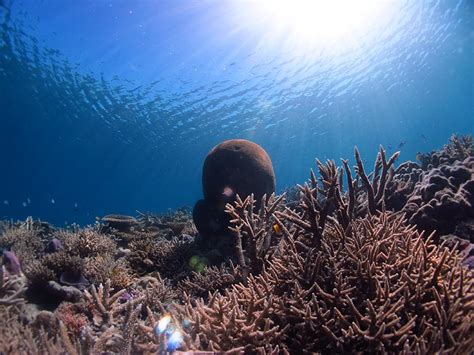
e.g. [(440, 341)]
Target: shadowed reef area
[(350, 261)]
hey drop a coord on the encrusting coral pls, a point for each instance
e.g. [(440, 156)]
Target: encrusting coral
[(334, 271), (439, 194), (443, 197)]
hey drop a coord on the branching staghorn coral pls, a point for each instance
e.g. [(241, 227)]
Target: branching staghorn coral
[(238, 319), (254, 231), (382, 289), (153, 291), (375, 186), (105, 305), (25, 243), (325, 200), (87, 243), (103, 267), (168, 257), (211, 279), (12, 290), (317, 201), (14, 336)]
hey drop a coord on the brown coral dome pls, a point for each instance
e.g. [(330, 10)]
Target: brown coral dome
[(237, 166)]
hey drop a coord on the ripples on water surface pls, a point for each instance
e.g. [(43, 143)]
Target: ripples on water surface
[(113, 106)]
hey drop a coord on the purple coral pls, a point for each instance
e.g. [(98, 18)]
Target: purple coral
[(53, 246), (10, 263)]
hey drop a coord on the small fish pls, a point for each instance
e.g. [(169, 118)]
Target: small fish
[(76, 207), (52, 201), (423, 136), (277, 229), (6, 202), (24, 204), (402, 143), (28, 200)]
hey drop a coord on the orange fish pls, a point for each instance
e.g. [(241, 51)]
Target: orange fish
[(277, 229)]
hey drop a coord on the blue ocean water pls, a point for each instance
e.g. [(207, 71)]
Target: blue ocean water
[(112, 106)]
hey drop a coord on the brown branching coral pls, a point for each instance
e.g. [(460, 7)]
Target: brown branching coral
[(317, 201), (177, 223), (105, 305), (384, 289), (211, 279), (15, 338), (324, 199), (168, 257), (51, 266), (87, 243), (375, 187), (25, 243), (12, 290), (154, 291), (103, 267), (254, 231)]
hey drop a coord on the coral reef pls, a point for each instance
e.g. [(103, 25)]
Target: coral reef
[(234, 167), (333, 270), (437, 195), (381, 289)]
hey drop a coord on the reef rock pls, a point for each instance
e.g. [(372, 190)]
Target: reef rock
[(234, 167), (64, 292)]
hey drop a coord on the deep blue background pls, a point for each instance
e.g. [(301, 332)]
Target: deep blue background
[(114, 105)]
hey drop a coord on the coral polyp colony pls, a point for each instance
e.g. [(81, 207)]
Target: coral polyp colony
[(351, 262)]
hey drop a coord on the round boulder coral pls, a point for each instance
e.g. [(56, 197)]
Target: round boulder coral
[(234, 167), (237, 166)]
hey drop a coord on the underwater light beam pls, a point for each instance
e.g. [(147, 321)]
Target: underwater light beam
[(309, 21)]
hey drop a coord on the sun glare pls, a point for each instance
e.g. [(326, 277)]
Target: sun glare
[(322, 20)]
